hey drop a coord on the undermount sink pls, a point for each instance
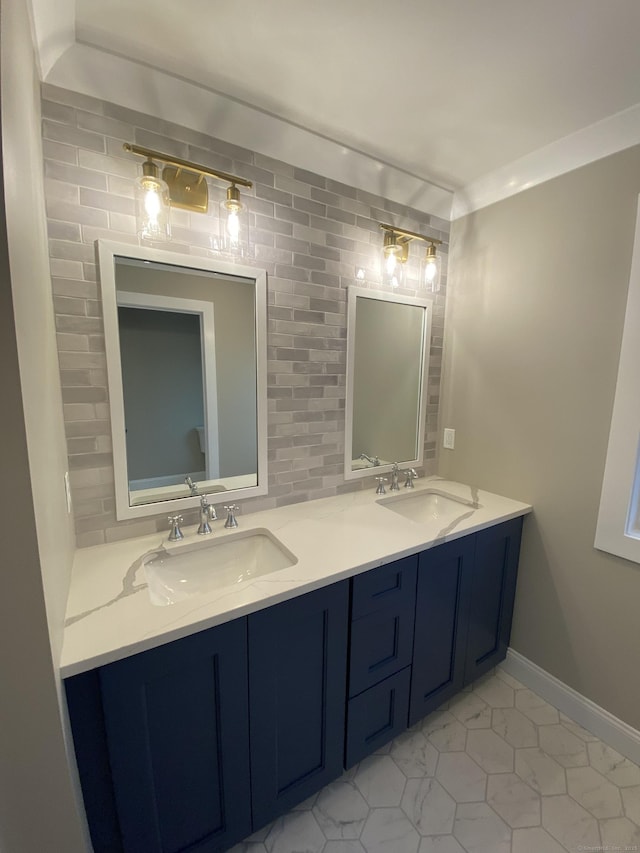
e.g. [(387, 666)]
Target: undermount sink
[(428, 505), (204, 567)]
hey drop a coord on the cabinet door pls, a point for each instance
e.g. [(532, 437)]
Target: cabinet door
[(376, 716), (176, 720), (297, 672), (493, 589), (381, 645), (440, 636)]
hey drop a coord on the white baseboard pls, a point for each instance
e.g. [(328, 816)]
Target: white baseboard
[(614, 732)]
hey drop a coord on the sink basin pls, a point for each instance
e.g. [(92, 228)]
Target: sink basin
[(205, 567), (428, 505)]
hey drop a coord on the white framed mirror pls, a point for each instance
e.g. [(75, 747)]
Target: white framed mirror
[(186, 347), (388, 338)]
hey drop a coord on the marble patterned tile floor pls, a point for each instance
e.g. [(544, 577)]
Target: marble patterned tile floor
[(496, 770)]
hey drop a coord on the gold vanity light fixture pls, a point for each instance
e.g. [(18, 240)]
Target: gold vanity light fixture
[(183, 184), (395, 253)]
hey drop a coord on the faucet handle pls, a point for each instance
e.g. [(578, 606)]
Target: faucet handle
[(175, 534), (411, 475), (381, 489), (231, 521)]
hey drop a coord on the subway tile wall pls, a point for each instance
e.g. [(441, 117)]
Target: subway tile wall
[(309, 233)]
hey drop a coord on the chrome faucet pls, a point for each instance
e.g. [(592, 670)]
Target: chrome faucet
[(207, 514), (381, 481), (193, 488), (395, 474), (411, 475), (231, 521), (372, 460), (175, 534)]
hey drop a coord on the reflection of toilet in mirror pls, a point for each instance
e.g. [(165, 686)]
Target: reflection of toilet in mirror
[(202, 440)]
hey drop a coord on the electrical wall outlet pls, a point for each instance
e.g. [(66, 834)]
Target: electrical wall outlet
[(449, 439), (67, 491)]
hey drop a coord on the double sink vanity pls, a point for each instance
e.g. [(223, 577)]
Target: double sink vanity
[(216, 682)]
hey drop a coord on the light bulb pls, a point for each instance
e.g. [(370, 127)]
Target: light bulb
[(430, 272), (152, 205), (234, 229), (393, 270), (394, 255), (390, 263), (233, 226)]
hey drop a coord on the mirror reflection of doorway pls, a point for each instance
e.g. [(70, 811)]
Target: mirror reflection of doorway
[(169, 390)]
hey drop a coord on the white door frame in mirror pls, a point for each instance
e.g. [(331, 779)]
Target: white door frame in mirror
[(204, 310), (355, 293), (108, 251)]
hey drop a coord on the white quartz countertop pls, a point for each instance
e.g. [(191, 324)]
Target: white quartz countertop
[(110, 615)]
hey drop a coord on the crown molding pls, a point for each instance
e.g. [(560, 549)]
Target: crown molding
[(592, 143)]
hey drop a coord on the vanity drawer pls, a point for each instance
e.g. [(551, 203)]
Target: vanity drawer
[(393, 585), (376, 716), (381, 644)]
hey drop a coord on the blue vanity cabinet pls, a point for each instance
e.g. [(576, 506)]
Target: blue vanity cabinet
[(442, 612), (297, 676), (162, 743), (464, 608), (380, 651), (193, 745), (492, 593)]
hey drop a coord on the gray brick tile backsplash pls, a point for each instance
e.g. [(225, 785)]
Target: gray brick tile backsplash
[(69, 211), (59, 152), (291, 215), (64, 230), (310, 206), (277, 226), (309, 233), (71, 135), (104, 125), (73, 287)]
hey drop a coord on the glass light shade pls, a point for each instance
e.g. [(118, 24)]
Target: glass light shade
[(153, 206), (392, 269), (430, 272), (234, 225)]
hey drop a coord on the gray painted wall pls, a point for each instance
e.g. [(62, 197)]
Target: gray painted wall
[(533, 338), (38, 810)]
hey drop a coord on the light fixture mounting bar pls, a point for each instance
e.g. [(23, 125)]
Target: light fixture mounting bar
[(186, 164), (409, 235)]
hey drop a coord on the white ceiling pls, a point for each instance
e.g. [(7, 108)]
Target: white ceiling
[(448, 92)]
